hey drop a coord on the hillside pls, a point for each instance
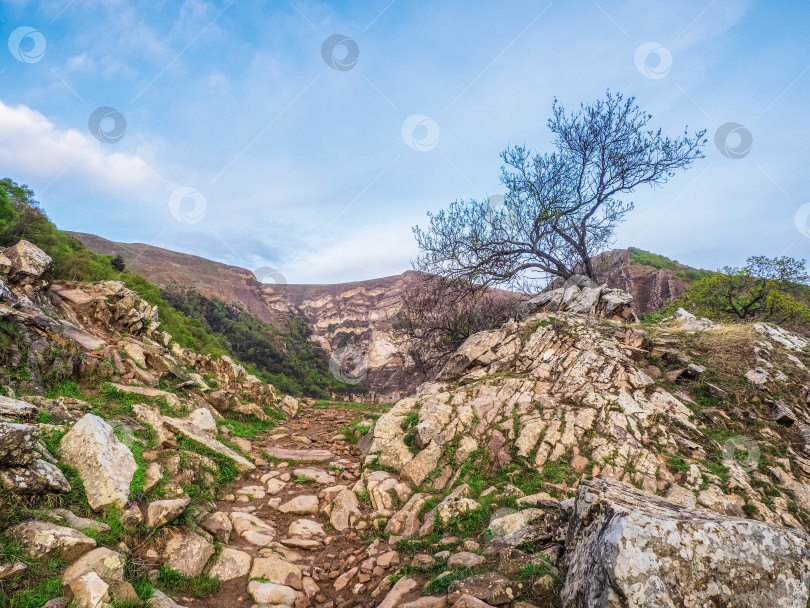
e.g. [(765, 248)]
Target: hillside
[(358, 315)]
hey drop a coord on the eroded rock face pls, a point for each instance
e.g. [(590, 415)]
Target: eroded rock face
[(27, 262), (635, 550), (105, 465)]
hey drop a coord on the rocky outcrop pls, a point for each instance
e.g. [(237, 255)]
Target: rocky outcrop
[(582, 296), (629, 548)]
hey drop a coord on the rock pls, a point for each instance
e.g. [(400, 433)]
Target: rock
[(231, 563), (38, 477), (301, 505), (289, 405), (272, 594), (161, 600), (510, 523), (125, 593), (468, 601), (345, 578), (152, 476), (317, 475), (57, 602), (161, 512), (219, 525), (203, 420), (9, 569), (401, 588), (417, 470), (188, 553), (71, 520), (782, 414), (310, 587), (625, 543), (105, 465), (343, 510), (305, 528), (17, 443), (450, 508), (89, 591), (14, 409), (429, 601), (275, 570), (107, 564), (43, 540), (301, 455), (151, 416), (422, 560), (131, 518), (27, 262), (463, 559), (243, 444), (197, 435), (724, 504)]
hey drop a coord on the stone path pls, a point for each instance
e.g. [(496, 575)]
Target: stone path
[(279, 544)]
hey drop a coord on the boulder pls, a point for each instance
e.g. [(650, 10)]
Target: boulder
[(188, 553), (89, 591), (44, 540), (276, 570), (301, 505), (161, 512), (219, 525), (230, 564), (107, 564), (105, 465), (203, 420), (38, 477), (272, 594), (629, 548), (344, 510), (161, 600), (17, 443), (490, 587), (27, 262), (14, 409), (289, 405), (401, 588)]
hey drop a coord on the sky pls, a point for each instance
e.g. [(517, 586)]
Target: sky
[(309, 137)]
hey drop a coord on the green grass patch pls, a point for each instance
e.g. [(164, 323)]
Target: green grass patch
[(201, 585)]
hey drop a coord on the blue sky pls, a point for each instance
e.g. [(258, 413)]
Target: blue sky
[(242, 144)]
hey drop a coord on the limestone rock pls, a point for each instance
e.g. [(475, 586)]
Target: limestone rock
[(231, 563), (89, 591), (38, 477), (463, 559), (343, 510), (494, 589), (272, 594), (276, 571), (301, 505), (161, 600), (28, 262), (203, 420), (625, 543), (161, 512), (219, 525), (14, 409), (107, 564), (43, 540), (71, 520), (105, 465), (199, 436), (188, 553), (17, 443)]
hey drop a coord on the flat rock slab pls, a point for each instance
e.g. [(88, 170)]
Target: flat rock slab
[(636, 549), (301, 455), (197, 435), (301, 505), (44, 540), (14, 408)]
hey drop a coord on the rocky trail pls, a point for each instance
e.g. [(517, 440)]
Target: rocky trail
[(282, 545)]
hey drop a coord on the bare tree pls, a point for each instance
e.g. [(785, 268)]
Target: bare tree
[(438, 314), (561, 209)]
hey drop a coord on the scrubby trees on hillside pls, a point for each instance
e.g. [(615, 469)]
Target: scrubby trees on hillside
[(773, 289), (560, 209)]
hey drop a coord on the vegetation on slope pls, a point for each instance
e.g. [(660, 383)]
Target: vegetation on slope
[(647, 258), (286, 357)]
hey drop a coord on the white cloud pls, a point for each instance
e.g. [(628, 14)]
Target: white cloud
[(33, 148)]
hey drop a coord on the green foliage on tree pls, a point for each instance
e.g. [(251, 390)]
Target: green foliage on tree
[(771, 289), (118, 263), (284, 356)]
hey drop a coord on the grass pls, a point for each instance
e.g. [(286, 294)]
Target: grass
[(34, 596), (201, 585), (248, 427), (438, 586)]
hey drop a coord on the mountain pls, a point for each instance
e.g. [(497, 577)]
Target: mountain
[(356, 317)]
